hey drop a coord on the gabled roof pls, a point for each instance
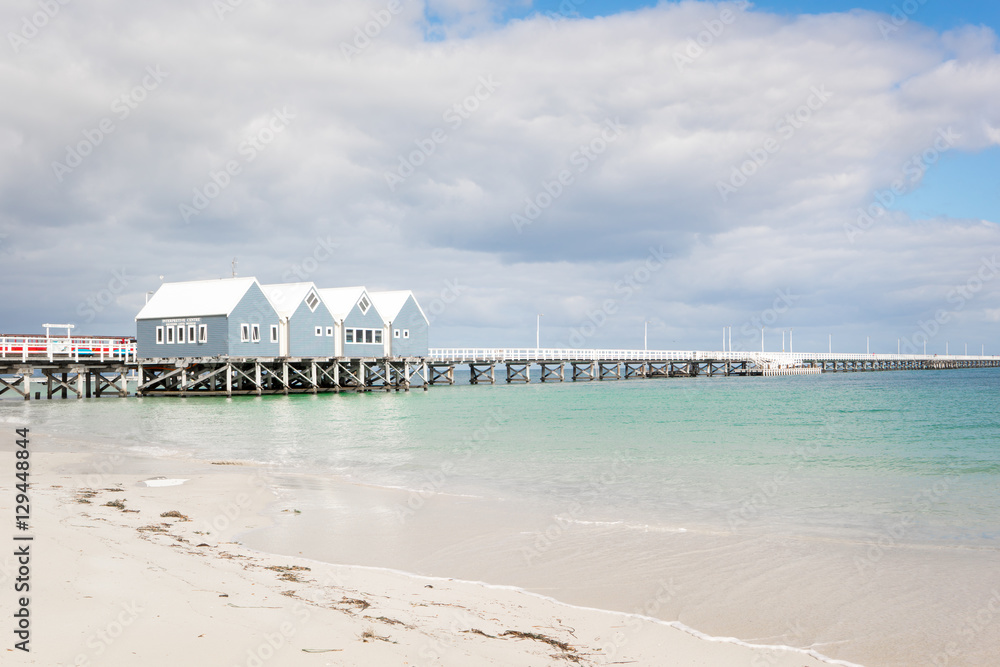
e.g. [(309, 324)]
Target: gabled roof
[(341, 300), (390, 303), (197, 298), (286, 297)]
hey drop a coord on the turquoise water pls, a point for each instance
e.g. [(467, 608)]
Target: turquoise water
[(837, 454)]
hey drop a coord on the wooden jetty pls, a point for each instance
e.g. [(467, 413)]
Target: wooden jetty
[(95, 367)]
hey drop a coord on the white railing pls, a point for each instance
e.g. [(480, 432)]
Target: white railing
[(39, 348), (774, 359)]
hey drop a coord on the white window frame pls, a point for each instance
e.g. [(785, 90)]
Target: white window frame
[(159, 335), (395, 333), (274, 333), (349, 336), (180, 334), (315, 301), (378, 337), (368, 336), (202, 333), (255, 333), (406, 333), (170, 335), (364, 304), (319, 331), (192, 333), (244, 332), (329, 331)]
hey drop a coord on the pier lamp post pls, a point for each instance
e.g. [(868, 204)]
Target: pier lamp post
[(645, 335), (762, 339), (538, 330), (831, 343), (791, 345), (782, 340), (868, 344)]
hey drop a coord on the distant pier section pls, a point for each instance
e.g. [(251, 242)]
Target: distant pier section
[(85, 367)]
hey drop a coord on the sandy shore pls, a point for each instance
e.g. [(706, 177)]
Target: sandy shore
[(128, 574)]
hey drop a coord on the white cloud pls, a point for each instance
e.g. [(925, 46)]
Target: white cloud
[(685, 131)]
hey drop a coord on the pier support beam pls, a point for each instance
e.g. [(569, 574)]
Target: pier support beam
[(519, 371), (552, 372), (482, 372)]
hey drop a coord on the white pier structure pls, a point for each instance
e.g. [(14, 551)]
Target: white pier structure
[(586, 365)]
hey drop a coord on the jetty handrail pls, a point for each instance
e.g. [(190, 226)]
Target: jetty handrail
[(532, 354), (35, 348)]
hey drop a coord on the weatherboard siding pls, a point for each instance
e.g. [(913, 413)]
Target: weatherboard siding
[(356, 320), (216, 345), (253, 308), (302, 338), (409, 318)]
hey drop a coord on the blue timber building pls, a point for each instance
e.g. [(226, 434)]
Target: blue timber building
[(306, 326), (407, 328), (229, 317), (360, 328)]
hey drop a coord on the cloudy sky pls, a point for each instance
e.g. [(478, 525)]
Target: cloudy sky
[(830, 169)]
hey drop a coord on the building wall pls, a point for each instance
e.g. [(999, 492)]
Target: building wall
[(303, 341), (370, 320), (216, 345), (409, 319), (253, 308)]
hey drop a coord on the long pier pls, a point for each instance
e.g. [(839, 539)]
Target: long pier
[(90, 367)]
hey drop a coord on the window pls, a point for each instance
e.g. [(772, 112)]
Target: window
[(202, 333), (180, 334), (368, 335), (406, 333), (159, 335), (244, 333), (170, 335), (329, 331), (274, 333), (350, 336), (395, 333), (364, 305), (378, 335), (312, 301), (319, 331), (192, 332), (255, 333)]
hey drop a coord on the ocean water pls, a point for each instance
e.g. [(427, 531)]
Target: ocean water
[(736, 490)]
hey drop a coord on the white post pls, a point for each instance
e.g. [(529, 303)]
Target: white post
[(782, 340), (897, 346), (762, 339), (791, 345), (946, 348), (538, 330), (730, 338), (831, 343), (645, 335), (868, 344)]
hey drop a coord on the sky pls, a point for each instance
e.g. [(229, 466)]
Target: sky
[(599, 174)]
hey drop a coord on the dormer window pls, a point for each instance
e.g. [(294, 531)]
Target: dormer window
[(364, 305)]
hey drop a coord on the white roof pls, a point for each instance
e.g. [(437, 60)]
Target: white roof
[(286, 297), (340, 300), (390, 303), (197, 298)]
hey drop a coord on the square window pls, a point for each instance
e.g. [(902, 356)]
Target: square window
[(170, 335), (319, 331), (329, 331), (244, 333), (312, 300), (406, 333), (395, 333), (364, 305), (368, 335), (180, 334), (159, 335), (350, 336), (274, 333), (378, 335), (202, 333), (255, 333)]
